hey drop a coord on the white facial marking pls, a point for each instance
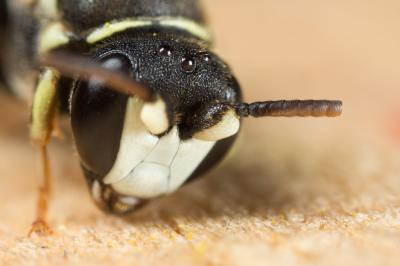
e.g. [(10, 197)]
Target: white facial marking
[(148, 166), (190, 154), (167, 167), (229, 126), (136, 143), (154, 116), (147, 180), (166, 149)]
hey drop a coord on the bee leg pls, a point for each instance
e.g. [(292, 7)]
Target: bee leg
[(57, 132), (44, 111), (40, 225)]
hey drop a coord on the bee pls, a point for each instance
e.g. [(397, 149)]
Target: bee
[(151, 106)]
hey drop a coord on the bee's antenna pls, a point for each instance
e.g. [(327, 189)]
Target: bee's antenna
[(72, 65), (314, 108)]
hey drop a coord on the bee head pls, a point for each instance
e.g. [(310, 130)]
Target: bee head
[(151, 110), (184, 83)]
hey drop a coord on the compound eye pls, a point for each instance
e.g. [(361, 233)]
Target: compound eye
[(97, 118), (188, 64)]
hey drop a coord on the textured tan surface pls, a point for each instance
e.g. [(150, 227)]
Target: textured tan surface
[(295, 192)]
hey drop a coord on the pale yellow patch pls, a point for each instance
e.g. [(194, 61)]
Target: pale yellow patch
[(47, 8), (154, 116), (229, 126), (43, 109), (53, 36), (189, 26), (111, 28)]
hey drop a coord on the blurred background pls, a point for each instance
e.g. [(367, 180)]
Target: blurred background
[(316, 49), (293, 191)]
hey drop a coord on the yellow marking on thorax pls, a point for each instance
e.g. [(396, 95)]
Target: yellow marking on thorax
[(52, 36), (111, 28), (47, 9), (180, 23), (188, 25)]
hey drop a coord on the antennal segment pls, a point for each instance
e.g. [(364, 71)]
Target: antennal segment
[(306, 108)]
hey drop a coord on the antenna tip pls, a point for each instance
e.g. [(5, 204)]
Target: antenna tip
[(334, 108)]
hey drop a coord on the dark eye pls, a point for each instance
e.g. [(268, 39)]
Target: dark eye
[(165, 50), (188, 64), (97, 118)]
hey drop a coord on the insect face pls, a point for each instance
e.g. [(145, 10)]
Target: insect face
[(142, 149)]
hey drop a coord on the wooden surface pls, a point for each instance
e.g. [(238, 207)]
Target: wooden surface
[(294, 192)]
